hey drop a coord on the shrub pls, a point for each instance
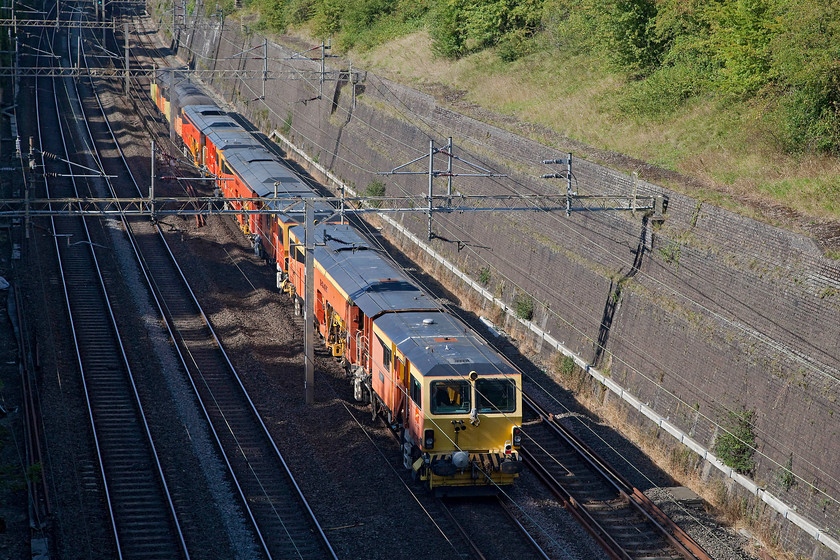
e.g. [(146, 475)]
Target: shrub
[(459, 27), (327, 17), (299, 11), (375, 188), (484, 275), (523, 306), (567, 365), (735, 445), (272, 16)]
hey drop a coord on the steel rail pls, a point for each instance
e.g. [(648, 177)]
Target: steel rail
[(525, 532), (157, 296), (37, 489), (73, 329), (158, 466), (92, 379), (474, 548), (173, 330), (575, 508), (680, 542)]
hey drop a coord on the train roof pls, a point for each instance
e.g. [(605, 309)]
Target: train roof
[(175, 83), (221, 129), (438, 344), (231, 138), (260, 169), (210, 116), (370, 281), (322, 210), (267, 176)]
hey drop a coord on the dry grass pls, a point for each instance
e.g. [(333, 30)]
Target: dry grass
[(728, 146)]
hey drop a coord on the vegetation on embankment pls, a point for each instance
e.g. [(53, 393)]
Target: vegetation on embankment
[(741, 94)]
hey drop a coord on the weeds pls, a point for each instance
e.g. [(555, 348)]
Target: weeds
[(523, 306), (567, 365), (671, 253), (287, 124), (735, 446), (375, 188), (786, 477)]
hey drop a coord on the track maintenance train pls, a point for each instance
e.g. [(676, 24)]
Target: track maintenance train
[(455, 402)]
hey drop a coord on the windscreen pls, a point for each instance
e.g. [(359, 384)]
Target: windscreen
[(450, 397), (496, 395)]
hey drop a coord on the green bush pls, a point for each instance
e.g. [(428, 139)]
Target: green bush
[(735, 445), (272, 15), (631, 35), (375, 188), (523, 306), (300, 11), (459, 27)]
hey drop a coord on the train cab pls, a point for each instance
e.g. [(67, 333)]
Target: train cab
[(462, 408)]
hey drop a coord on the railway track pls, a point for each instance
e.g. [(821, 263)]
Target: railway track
[(473, 526), (623, 521), (38, 492), (478, 518), (283, 522), (142, 516)]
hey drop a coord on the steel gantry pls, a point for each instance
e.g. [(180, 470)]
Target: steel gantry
[(192, 206)]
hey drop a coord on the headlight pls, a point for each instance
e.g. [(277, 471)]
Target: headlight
[(429, 439), (461, 459)]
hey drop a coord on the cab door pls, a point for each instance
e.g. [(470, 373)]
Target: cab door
[(398, 387), (414, 406)]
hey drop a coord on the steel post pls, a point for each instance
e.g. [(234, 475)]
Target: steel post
[(309, 304), (431, 182)]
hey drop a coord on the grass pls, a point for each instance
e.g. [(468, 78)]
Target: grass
[(729, 145)]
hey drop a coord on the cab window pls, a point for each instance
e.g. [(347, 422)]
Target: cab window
[(450, 397), (386, 353), (416, 391), (495, 395)]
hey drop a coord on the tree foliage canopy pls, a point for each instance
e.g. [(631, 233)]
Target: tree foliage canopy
[(785, 52)]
